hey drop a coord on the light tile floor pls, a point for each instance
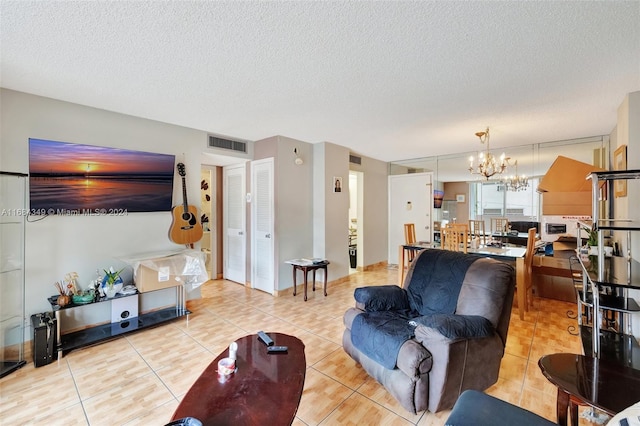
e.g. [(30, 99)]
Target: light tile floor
[(139, 379)]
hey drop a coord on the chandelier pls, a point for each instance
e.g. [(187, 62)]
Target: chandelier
[(517, 182), (488, 165)]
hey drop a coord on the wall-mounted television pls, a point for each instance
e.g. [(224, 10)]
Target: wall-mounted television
[(70, 178)]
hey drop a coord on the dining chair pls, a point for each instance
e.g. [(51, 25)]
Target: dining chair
[(476, 229), (528, 272), (455, 237), (410, 238), (499, 225)]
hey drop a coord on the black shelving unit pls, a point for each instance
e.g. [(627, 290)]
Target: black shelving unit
[(621, 348), (610, 279), (104, 332)]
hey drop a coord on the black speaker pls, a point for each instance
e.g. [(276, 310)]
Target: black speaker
[(44, 342)]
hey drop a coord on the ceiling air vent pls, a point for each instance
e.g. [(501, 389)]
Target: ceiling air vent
[(216, 142), (355, 159)]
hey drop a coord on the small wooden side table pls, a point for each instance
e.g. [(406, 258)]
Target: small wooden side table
[(306, 265)]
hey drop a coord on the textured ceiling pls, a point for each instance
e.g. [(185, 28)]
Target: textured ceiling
[(390, 80)]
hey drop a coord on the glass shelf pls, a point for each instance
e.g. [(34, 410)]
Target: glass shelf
[(104, 332), (618, 272), (621, 348), (12, 316)]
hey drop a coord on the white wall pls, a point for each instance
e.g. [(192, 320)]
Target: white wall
[(293, 200), (311, 220), (627, 132), (331, 209), (57, 245)]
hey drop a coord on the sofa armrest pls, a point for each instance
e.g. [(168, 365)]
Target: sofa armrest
[(381, 298), (454, 326)]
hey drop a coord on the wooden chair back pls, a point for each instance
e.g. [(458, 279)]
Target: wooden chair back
[(528, 264), (455, 237), (410, 238), (476, 229), (409, 233), (499, 225)]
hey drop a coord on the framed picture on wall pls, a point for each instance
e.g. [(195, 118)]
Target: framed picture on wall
[(460, 198), (620, 163), (337, 184)]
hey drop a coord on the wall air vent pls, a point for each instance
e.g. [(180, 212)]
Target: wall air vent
[(491, 212), (216, 142), (515, 212), (355, 159)]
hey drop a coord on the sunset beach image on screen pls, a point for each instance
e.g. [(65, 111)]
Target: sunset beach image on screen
[(72, 178)]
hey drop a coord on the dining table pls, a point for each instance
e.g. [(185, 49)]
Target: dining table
[(505, 252)]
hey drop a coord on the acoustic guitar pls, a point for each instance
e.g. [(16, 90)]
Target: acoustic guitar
[(185, 226)]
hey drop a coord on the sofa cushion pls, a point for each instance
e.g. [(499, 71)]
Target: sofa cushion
[(435, 278), (485, 286), (458, 326), (381, 298), (379, 335)]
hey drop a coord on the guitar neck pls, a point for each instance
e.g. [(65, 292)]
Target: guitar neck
[(184, 195)]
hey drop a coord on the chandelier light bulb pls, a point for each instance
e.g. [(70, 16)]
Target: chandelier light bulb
[(488, 165), (517, 182)]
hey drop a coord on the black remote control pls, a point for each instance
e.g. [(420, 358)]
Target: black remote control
[(262, 336), (277, 349)]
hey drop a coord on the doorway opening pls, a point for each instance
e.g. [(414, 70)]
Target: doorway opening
[(355, 225), (212, 207)]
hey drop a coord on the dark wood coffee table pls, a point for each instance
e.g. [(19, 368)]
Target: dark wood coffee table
[(583, 380), (265, 390)]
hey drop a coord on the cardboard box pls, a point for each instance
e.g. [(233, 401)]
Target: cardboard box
[(567, 203), (567, 175), (565, 243), (154, 273), (565, 188), (150, 279)]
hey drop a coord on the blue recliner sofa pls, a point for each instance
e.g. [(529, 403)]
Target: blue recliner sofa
[(441, 333)]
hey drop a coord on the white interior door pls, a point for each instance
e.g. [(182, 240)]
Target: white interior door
[(234, 220), (262, 226), (410, 201)]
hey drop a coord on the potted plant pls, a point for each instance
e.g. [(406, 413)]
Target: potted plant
[(592, 240), (112, 281)]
